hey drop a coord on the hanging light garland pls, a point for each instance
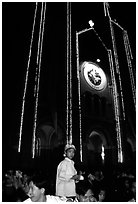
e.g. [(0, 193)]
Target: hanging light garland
[(117, 66), (70, 49), (103, 153), (67, 106), (38, 147), (26, 81), (116, 108), (69, 77), (79, 95), (36, 87), (38, 69), (107, 13), (38, 53), (129, 58)]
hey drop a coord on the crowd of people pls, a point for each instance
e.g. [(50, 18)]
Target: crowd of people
[(70, 185)]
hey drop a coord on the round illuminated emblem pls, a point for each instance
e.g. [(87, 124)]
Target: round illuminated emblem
[(94, 75)]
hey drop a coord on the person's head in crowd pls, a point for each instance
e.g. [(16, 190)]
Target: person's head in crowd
[(69, 151), (85, 193), (102, 195), (37, 186)]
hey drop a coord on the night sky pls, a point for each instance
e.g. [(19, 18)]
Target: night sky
[(17, 21)]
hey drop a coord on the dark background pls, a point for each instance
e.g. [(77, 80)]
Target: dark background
[(17, 21)]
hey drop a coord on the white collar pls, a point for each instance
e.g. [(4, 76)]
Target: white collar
[(70, 160)]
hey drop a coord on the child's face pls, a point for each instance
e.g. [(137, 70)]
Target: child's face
[(101, 195), (34, 193), (70, 153), (88, 197)]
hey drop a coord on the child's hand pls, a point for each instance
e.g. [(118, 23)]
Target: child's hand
[(77, 177)]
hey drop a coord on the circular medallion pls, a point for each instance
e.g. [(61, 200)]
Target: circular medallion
[(94, 75)]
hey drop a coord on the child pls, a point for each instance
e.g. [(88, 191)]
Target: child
[(67, 174), (101, 195), (85, 193), (36, 193)]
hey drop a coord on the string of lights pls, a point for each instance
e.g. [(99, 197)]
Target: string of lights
[(117, 67), (38, 147), (129, 57), (39, 56), (100, 39), (116, 107), (67, 106), (26, 82), (79, 96), (70, 49), (38, 51), (69, 77)]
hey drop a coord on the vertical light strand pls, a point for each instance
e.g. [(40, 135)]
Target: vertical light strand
[(79, 95), (70, 66), (67, 105), (36, 83), (129, 57), (116, 107), (106, 9), (117, 66), (38, 80), (26, 81), (38, 52), (103, 154)]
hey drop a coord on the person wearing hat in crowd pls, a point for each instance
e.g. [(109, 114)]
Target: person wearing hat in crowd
[(66, 176)]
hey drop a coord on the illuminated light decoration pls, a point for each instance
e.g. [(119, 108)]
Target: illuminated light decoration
[(116, 108), (69, 78), (38, 147), (91, 23), (106, 10), (39, 56), (98, 60), (99, 38), (103, 154), (70, 63), (26, 81), (67, 105), (117, 66), (129, 57), (94, 76), (79, 95)]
